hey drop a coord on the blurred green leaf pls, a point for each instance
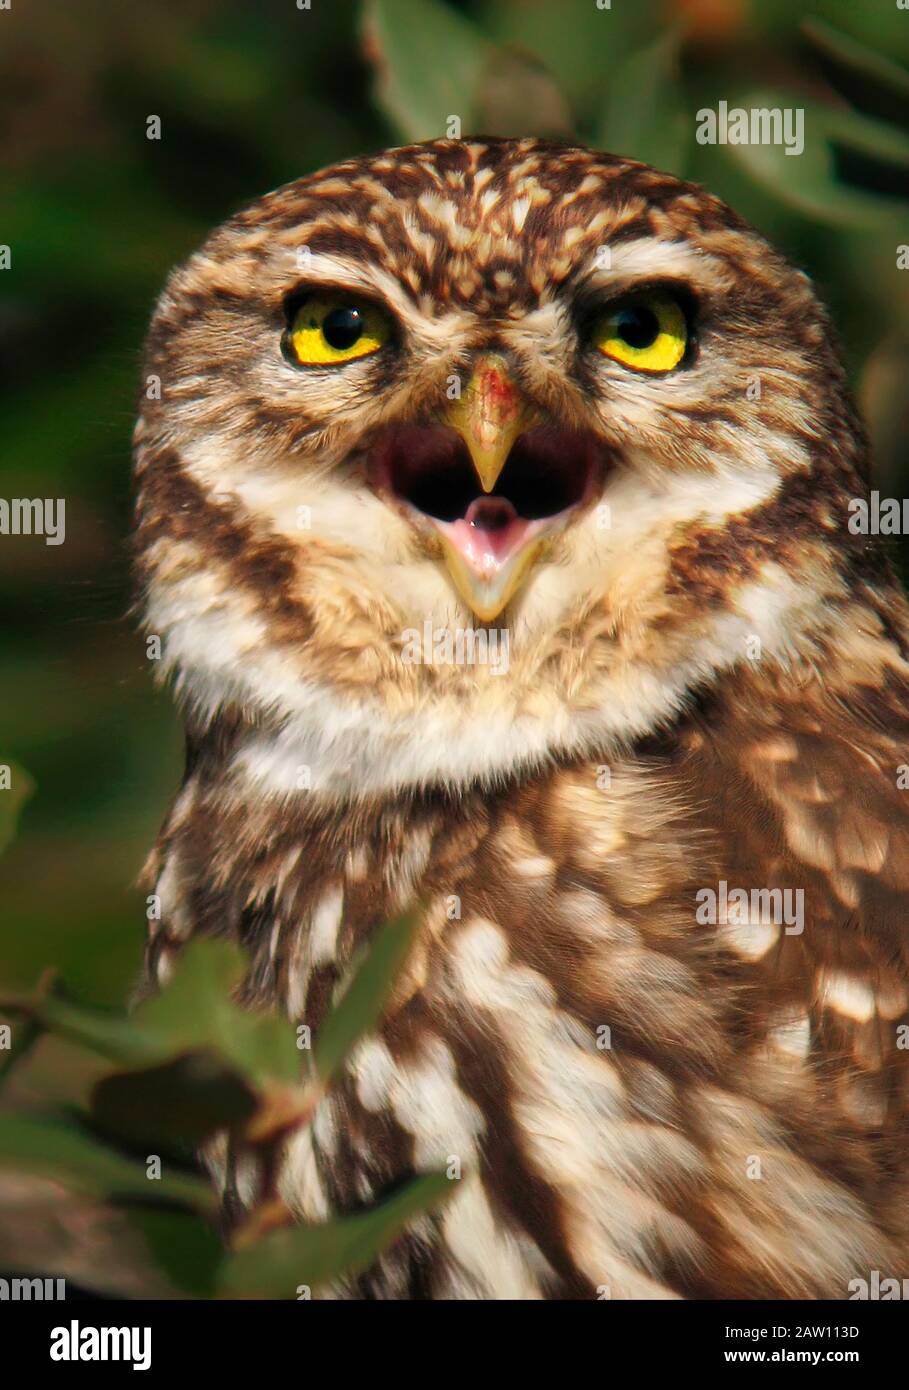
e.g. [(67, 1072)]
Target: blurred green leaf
[(12, 799), (194, 1011), (55, 1147), (644, 116), (194, 1007), (187, 1099), (360, 1008), (809, 181), (186, 1247), (418, 93), (314, 1255), (848, 53), (111, 1035), (584, 47)]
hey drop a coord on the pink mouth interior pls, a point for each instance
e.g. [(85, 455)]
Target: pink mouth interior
[(548, 472), (490, 532)]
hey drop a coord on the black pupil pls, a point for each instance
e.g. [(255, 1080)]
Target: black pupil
[(342, 327), (638, 326)]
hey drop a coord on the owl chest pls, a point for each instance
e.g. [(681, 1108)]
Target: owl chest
[(514, 1053), (559, 1039)]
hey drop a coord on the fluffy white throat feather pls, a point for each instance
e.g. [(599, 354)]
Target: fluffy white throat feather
[(313, 737)]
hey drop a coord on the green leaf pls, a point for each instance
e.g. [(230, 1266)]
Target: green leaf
[(55, 1147), (195, 1005), (196, 1010), (187, 1248), (110, 1035), (275, 1265), (809, 181), (361, 1006), (644, 117), (187, 1100), (847, 53), (579, 43), (193, 1012), (12, 799), (403, 40)]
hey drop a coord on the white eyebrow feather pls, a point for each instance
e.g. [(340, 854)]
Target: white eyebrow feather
[(649, 258), (339, 270)]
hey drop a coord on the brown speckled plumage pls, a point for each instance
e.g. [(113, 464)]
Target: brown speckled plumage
[(714, 687)]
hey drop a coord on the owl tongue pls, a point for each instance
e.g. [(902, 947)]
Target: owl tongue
[(488, 534), (496, 526)]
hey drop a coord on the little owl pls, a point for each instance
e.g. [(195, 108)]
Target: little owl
[(527, 399)]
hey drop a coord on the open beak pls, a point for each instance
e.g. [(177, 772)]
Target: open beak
[(491, 550), (493, 481)]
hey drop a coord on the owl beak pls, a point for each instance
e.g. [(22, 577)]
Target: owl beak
[(489, 416), (486, 572), (495, 485)]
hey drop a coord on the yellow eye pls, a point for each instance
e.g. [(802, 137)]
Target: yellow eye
[(334, 329), (648, 333)]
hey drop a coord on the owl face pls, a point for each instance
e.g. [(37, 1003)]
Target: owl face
[(483, 384)]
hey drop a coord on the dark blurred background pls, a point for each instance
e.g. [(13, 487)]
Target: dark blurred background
[(253, 94)]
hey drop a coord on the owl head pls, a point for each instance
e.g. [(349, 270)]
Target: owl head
[(545, 397)]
